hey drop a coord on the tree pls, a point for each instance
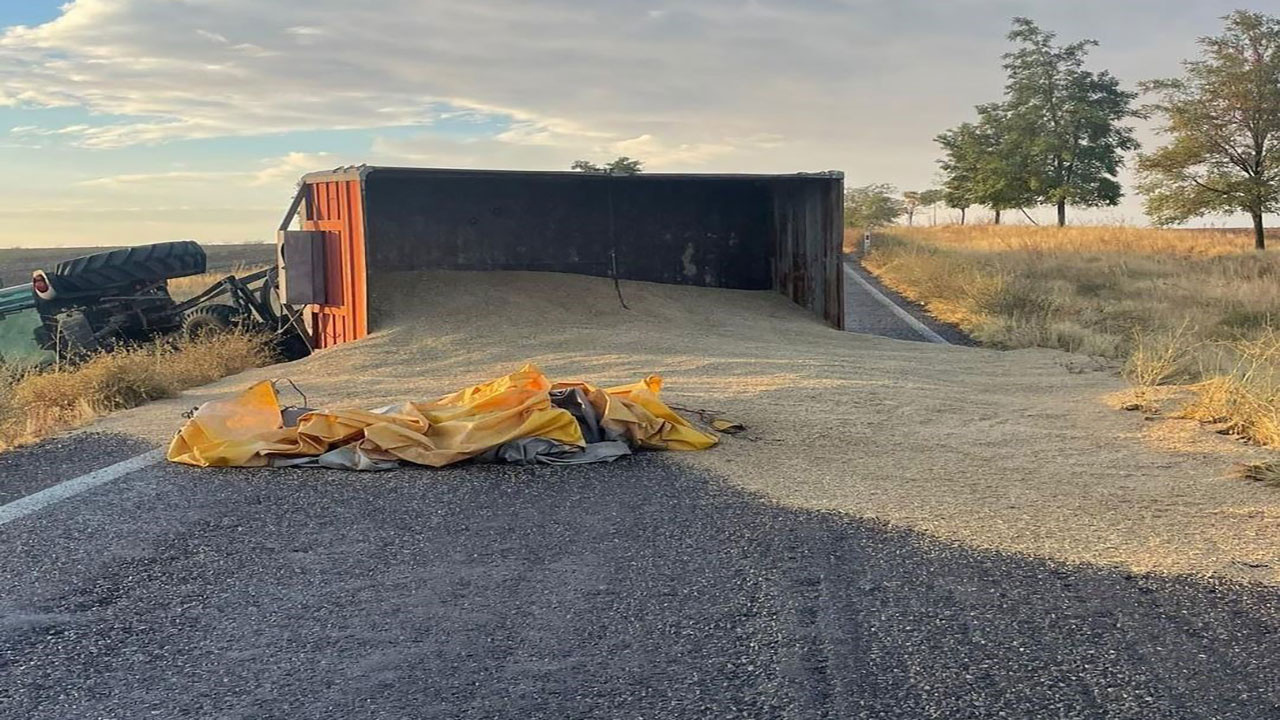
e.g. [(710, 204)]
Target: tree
[(1063, 121), (930, 199), (960, 160), (984, 164), (872, 206), (911, 201), (1004, 165), (621, 165), (1223, 121), (959, 167), (968, 155)]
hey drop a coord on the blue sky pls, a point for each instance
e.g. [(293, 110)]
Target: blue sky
[(29, 12), (126, 121)]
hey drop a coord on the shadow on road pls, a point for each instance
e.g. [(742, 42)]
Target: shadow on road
[(640, 589)]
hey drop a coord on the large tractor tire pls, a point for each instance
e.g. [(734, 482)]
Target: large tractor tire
[(144, 263), (210, 320)]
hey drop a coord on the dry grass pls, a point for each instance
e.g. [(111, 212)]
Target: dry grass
[(1245, 397), (36, 404), (1267, 472), (187, 287), (1176, 306)]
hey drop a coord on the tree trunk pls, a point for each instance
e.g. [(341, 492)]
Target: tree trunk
[(1062, 213), (1259, 232), (962, 215), (997, 216)]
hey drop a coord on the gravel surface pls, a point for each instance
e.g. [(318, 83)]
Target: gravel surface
[(1019, 451), (639, 590)]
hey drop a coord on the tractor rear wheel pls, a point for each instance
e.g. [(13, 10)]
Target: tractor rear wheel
[(210, 319)]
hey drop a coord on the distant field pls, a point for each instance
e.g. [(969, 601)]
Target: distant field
[(17, 264)]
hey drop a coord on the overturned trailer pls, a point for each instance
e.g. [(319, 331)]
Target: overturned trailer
[(751, 232)]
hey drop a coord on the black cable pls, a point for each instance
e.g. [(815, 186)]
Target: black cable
[(613, 248)]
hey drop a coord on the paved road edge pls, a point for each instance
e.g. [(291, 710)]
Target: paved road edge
[(37, 501)]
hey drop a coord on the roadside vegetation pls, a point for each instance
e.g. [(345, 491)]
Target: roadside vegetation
[(1173, 307), (35, 404), (184, 288)]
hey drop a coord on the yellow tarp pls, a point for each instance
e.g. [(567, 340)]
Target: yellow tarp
[(246, 430)]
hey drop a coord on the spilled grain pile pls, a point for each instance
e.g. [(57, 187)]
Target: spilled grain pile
[(1010, 450)]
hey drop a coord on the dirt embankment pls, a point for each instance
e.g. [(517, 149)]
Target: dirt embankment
[(1016, 451)]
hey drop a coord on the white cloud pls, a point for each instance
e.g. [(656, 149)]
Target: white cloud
[(714, 85), (289, 168), (686, 77), (215, 37), (658, 154), (273, 171), (166, 178)]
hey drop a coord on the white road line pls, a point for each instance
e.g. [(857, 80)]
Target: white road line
[(63, 490), (903, 315)]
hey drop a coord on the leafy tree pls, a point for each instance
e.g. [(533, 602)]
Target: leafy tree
[(1004, 166), (1223, 120), (958, 174), (872, 206), (969, 154), (930, 199), (984, 165), (1063, 122), (911, 201), (959, 167), (621, 165)]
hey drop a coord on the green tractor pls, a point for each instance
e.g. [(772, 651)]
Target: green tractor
[(111, 299)]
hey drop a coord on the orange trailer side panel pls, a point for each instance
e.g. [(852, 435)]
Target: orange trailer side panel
[(337, 209)]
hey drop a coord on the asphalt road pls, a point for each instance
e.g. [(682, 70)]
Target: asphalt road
[(864, 313), (635, 590), (640, 589)]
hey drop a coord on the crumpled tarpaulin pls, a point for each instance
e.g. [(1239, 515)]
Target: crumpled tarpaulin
[(522, 417)]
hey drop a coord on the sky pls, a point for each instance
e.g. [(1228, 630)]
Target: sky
[(133, 121)]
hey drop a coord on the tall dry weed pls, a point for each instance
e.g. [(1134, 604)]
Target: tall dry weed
[(35, 404), (1160, 357), (1245, 397)]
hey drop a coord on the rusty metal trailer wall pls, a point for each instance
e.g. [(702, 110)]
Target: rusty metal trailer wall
[(336, 208), (808, 246), (753, 232), (670, 229)]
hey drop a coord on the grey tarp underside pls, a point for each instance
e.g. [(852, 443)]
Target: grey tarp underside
[(602, 446)]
